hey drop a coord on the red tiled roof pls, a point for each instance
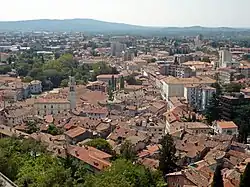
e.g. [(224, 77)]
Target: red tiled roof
[(75, 132), (91, 156), (226, 124), (49, 118)]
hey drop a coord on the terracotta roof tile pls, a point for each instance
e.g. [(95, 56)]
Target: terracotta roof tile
[(75, 132), (91, 156)]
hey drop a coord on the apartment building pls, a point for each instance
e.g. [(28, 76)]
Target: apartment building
[(230, 103), (117, 48), (226, 75), (176, 70), (198, 96), (174, 87)]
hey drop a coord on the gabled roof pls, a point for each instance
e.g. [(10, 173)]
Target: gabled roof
[(91, 156)]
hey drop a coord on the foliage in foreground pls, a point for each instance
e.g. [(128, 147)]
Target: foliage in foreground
[(245, 178), (27, 163), (125, 174)]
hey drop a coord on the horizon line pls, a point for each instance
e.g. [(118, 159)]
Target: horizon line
[(153, 26)]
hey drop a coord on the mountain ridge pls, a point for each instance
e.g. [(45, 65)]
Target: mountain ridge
[(92, 25)]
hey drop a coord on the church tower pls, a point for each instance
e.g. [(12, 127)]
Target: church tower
[(72, 92)]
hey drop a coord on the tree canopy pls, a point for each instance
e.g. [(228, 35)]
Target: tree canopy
[(233, 87), (218, 179), (27, 163), (167, 156), (245, 178), (241, 118), (212, 112), (127, 151), (124, 173), (56, 70), (100, 144)]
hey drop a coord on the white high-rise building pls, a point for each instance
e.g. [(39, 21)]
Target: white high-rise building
[(72, 92), (117, 48), (198, 96), (225, 57)]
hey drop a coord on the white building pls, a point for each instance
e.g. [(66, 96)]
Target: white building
[(117, 48), (174, 87), (198, 96), (107, 77), (36, 87), (44, 107), (15, 115), (226, 127), (224, 57)]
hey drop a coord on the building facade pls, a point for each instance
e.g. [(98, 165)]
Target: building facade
[(117, 48), (226, 127), (174, 87), (44, 107), (107, 78), (198, 96), (36, 87), (230, 103), (176, 70), (224, 56)]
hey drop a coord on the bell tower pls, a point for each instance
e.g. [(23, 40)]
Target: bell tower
[(72, 92)]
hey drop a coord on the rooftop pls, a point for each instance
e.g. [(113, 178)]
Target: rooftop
[(91, 156), (192, 80), (226, 124), (72, 133)]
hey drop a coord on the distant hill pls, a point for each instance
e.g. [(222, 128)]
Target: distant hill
[(88, 25), (95, 26)]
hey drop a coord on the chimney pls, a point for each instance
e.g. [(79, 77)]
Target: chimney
[(76, 153)]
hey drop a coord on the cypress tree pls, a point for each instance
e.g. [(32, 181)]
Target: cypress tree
[(167, 155), (122, 83), (218, 180), (245, 178)]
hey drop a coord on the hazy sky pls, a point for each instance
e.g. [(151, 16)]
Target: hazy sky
[(234, 13)]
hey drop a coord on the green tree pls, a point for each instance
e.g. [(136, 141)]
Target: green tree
[(5, 69), (241, 118), (44, 170), (32, 127), (110, 91), (127, 151), (100, 144), (206, 59), (23, 69), (53, 130), (64, 83), (213, 111), (167, 156), (124, 173), (132, 81), (122, 82), (218, 88), (245, 178), (113, 82), (233, 87), (218, 179), (27, 79)]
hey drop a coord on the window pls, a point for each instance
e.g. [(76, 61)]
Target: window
[(51, 106), (38, 113), (44, 106)]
